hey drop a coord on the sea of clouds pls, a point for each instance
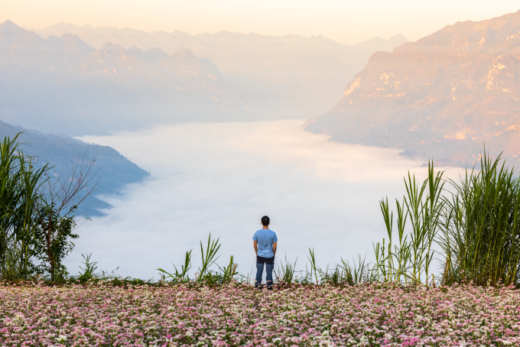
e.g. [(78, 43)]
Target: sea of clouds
[(223, 177)]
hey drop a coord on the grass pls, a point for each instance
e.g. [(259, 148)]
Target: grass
[(481, 239)]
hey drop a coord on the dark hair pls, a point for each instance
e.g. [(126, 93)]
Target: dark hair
[(265, 221)]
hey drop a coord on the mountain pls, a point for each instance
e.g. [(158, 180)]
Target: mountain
[(62, 84), (440, 97), (60, 151), (291, 76)]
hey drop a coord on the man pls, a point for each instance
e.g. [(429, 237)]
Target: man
[(265, 248)]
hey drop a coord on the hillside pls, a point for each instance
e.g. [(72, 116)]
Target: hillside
[(440, 97), (291, 76), (61, 84), (115, 171)]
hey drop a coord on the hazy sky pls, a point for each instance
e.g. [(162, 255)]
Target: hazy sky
[(222, 177), (343, 20)]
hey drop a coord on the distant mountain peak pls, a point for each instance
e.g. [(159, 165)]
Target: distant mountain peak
[(373, 40), (70, 37), (109, 46), (157, 52), (62, 26), (9, 24), (135, 48), (185, 53), (398, 38), (136, 52), (178, 33), (74, 42)]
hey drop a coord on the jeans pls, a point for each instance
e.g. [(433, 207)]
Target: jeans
[(269, 264)]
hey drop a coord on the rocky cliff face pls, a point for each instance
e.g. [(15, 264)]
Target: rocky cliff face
[(440, 97)]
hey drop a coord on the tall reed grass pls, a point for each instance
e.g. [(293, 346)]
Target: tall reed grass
[(20, 184), (481, 234), (410, 259), (475, 222)]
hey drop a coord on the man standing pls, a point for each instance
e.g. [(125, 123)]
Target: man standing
[(265, 248)]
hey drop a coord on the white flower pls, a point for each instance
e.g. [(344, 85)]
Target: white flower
[(61, 338)]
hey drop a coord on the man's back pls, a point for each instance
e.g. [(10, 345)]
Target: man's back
[(265, 239)]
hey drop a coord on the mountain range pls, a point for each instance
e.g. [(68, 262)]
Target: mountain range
[(288, 76), (441, 97), (62, 84)]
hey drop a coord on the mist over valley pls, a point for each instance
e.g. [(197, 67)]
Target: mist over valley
[(221, 178)]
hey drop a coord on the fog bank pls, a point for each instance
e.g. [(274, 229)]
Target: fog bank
[(223, 177)]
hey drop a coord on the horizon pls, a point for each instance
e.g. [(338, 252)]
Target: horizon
[(32, 29), (335, 20)]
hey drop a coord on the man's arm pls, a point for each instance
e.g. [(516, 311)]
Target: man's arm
[(255, 244), (274, 248)]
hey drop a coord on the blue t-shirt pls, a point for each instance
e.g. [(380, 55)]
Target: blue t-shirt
[(265, 239)]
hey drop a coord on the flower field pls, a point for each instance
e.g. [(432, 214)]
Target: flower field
[(361, 315)]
